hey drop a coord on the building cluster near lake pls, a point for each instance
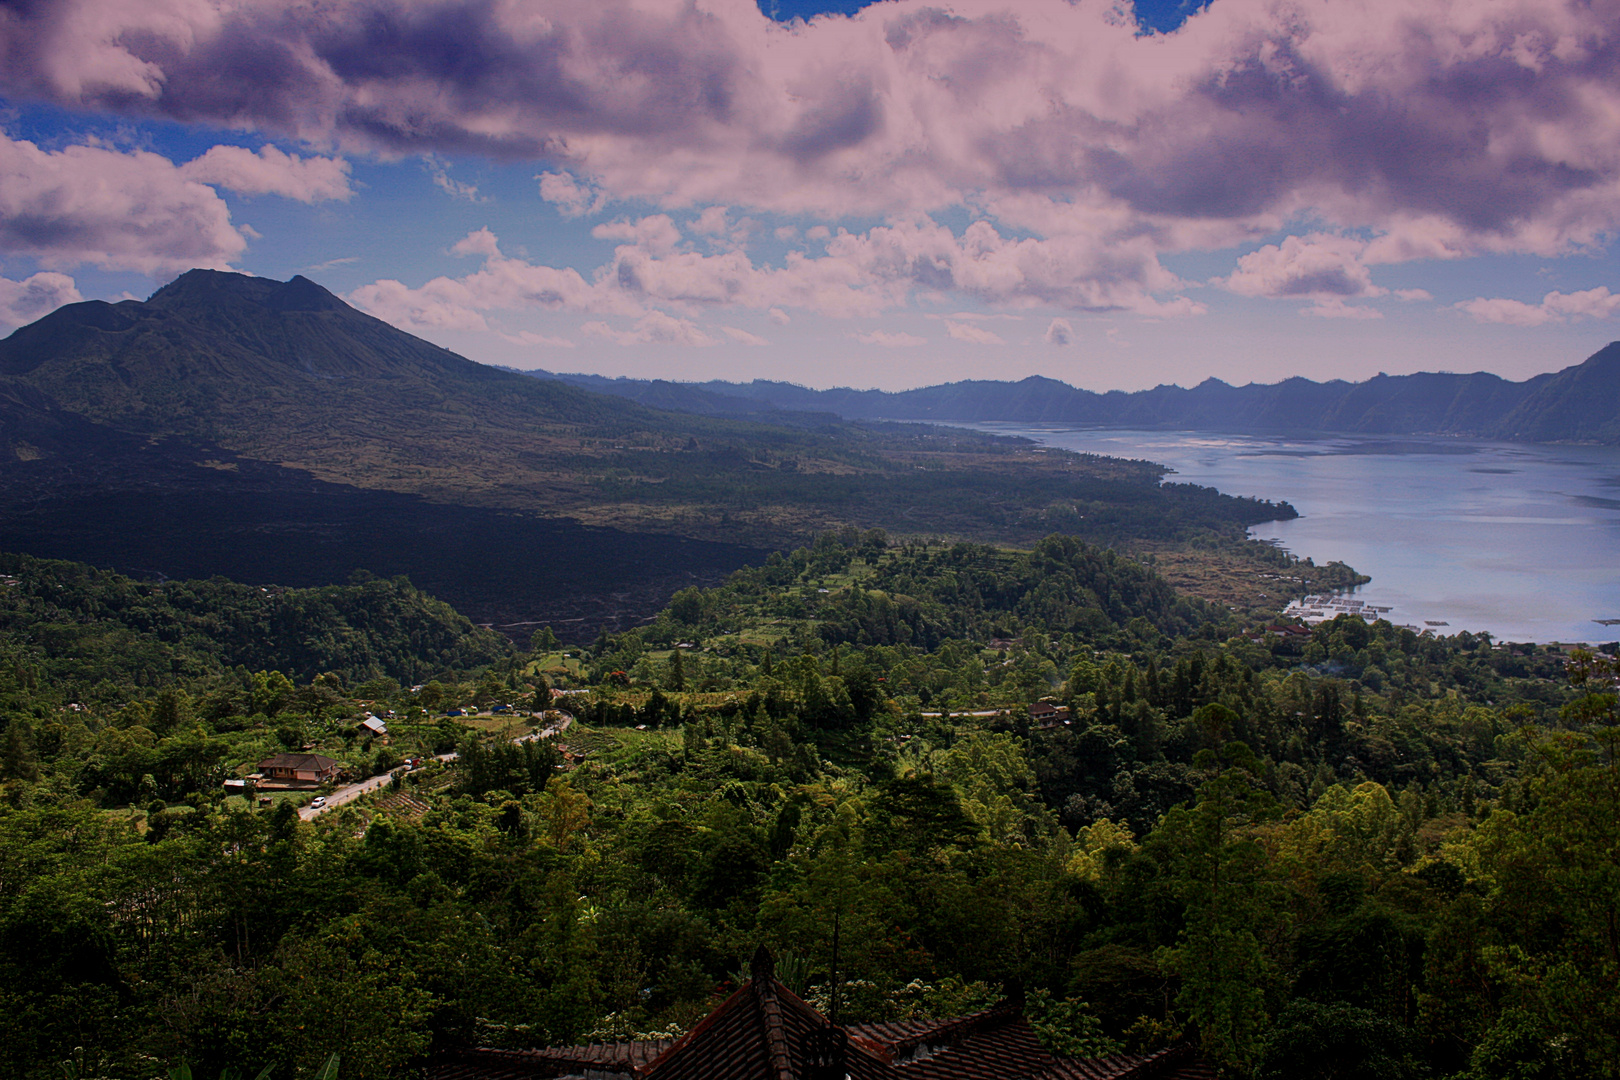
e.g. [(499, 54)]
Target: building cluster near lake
[(1325, 606), (1320, 608)]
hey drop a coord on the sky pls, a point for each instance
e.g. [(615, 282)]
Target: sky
[(884, 195)]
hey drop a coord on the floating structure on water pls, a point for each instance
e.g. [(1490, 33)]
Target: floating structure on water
[(1315, 609), (1319, 609)]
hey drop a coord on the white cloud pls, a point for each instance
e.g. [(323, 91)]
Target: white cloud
[(1434, 129), (743, 336), (890, 340), (502, 284), (527, 337), (119, 210), (439, 170), (441, 304), (655, 233), (1319, 266), (571, 196), (22, 302), (478, 242), (1331, 307), (977, 335), (654, 328), (271, 172), (711, 222), (1598, 303), (1077, 272), (862, 275), (1060, 332)]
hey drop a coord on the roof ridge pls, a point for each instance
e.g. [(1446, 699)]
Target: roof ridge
[(1156, 1062), (770, 1010), (954, 1030), (1123, 1066), (701, 1026)]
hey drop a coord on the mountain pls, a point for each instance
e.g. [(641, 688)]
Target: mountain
[(691, 398), (288, 372), (268, 432), (1578, 404)]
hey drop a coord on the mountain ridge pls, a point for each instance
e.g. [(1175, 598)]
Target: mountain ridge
[(1580, 403)]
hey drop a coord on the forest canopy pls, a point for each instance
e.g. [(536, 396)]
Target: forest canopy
[(1358, 851)]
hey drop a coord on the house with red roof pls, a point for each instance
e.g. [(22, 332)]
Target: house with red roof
[(298, 771)]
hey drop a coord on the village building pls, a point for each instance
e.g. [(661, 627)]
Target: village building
[(765, 1032), (1044, 714), (295, 771), (373, 725)]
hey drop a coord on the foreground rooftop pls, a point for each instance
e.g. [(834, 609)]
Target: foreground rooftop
[(766, 1032)]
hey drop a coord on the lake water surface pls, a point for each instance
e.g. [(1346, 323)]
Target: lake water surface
[(1520, 540)]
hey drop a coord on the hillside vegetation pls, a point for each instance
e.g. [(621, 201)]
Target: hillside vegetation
[(73, 627), (1364, 852)]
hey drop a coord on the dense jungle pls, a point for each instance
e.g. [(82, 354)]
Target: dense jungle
[(1352, 850)]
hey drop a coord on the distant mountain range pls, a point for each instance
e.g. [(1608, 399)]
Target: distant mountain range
[(1578, 404)]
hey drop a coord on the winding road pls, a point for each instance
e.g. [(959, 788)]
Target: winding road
[(350, 792)]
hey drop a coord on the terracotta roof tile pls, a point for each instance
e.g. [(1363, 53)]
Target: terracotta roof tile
[(895, 1032), (1175, 1063), (764, 1032), (994, 1047), (486, 1064)]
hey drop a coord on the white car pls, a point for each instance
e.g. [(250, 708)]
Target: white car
[(317, 802)]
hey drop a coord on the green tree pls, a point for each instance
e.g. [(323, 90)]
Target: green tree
[(1311, 1041), (1219, 871)]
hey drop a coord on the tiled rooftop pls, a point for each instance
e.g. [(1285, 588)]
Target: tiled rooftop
[(765, 1032)]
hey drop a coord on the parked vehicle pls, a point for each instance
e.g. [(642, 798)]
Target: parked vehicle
[(318, 801)]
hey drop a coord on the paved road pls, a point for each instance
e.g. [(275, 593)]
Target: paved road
[(551, 730), (344, 794), (350, 792)]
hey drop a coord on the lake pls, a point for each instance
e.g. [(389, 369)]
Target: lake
[(1521, 540)]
